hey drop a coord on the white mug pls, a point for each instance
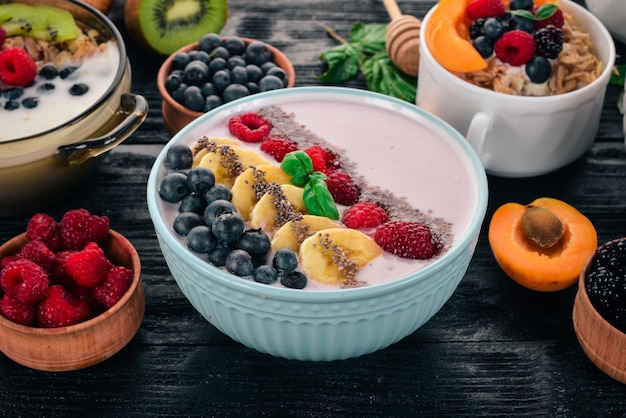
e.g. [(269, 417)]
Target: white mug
[(518, 136), (613, 14)]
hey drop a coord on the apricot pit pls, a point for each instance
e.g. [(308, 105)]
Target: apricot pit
[(543, 245)]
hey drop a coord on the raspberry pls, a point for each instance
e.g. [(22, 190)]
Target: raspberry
[(278, 147), (477, 9), (59, 274), (318, 157), (61, 309), (88, 267), (79, 227), (333, 162), (249, 127), (114, 286), (364, 215), (44, 227), (24, 281), (556, 19), (17, 68), (407, 239), (6, 260), (343, 188), (515, 47), (40, 254), (20, 313)]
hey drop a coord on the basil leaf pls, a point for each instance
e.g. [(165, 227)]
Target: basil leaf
[(298, 165), (546, 11), (523, 13), (317, 198), (384, 77), (343, 63)]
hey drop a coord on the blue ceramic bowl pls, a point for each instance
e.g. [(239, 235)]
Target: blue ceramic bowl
[(324, 325)]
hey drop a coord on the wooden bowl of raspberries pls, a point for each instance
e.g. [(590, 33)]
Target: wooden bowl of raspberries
[(600, 309), (71, 295), (215, 70)]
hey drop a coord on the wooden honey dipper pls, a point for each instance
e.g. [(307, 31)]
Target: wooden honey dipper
[(402, 39)]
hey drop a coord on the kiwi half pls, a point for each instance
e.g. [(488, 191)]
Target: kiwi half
[(165, 26), (38, 21)]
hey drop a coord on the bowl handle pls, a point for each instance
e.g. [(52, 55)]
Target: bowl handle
[(133, 108), (480, 125)]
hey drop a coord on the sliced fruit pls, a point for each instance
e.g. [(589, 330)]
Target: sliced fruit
[(276, 207), (228, 161), (291, 234), (335, 255), (103, 5), (218, 140), (244, 190), (165, 26), (446, 36), (40, 21)]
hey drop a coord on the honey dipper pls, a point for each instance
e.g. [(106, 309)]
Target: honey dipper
[(402, 39)]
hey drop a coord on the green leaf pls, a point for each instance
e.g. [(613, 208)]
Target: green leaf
[(523, 13), (370, 38), (546, 11), (317, 198), (298, 165), (619, 75), (384, 77), (343, 63)]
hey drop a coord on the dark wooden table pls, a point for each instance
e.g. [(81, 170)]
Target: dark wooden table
[(494, 349)]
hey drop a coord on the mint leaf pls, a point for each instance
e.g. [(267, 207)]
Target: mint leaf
[(546, 11), (298, 165), (370, 38), (384, 77), (317, 198), (523, 13), (343, 63)]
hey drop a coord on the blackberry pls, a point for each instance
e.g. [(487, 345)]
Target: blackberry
[(239, 263), (549, 41), (476, 28)]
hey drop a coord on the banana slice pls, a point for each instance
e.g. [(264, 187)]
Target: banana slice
[(277, 206), (216, 140), (250, 184), (334, 256), (229, 161), (292, 233)]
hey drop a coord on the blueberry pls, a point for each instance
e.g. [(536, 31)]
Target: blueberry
[(30, 102), (211, 102), (220, 52), (257, 53), (208, 89), (49, 72), (12, 93), (521, 23), (79, 89), (228, 227), (185, 222), (293, 279), (209, 42), (192, 203), (521, 4), (285, 259), (265, 67), (196, 73), (173, 187), (67, 71), (236, 61), (201, 240), (216, 65), (265, 274), (218, 192), (217, 257), (494, 28), (180, 60), (234, 92), (45, 87), (235, 45), (254, 73), (538, 69), (172, 82), (239, 262), (193, 98), (178, 157), (484, 46), (11, 105), (270, 82), (255, 242), (278, 72), (215, 208), (239, 75), (200, 179), (202, 57), (179, 93), (221, 80), (253, 88)]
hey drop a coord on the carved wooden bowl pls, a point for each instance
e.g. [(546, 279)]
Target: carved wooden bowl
[(87, 343)]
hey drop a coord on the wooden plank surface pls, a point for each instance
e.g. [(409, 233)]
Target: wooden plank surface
[(494, 349)]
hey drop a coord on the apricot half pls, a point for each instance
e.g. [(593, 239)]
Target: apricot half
[(544, 250)]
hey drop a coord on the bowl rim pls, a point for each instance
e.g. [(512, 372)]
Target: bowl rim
[(294, 295), (165, 67), (122, 68), (82, 326)]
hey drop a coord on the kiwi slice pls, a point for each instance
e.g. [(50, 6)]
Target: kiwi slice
[(165, 26), (39, 21)]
